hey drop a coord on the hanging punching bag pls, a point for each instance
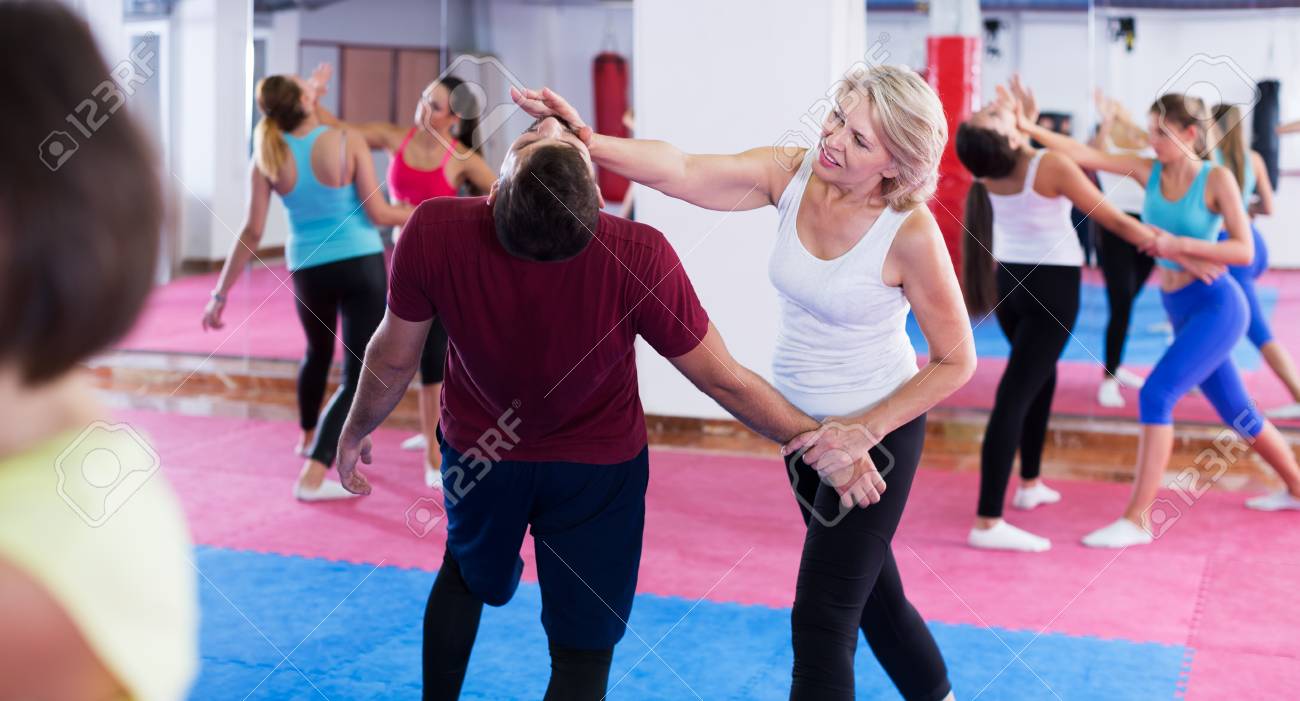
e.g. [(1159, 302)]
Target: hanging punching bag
[(953, 71), (609, 77), (1263, 126)]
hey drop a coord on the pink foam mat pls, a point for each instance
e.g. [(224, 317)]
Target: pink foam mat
[(726, 527), (260, 318), (261, 322)]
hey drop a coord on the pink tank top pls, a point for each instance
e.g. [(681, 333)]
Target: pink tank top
[(415, 186)]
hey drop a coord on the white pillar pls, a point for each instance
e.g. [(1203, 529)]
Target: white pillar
[(211, 116), (718, 77), (955, 18)]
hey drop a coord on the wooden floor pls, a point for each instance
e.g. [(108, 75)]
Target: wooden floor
[(1093, 448)]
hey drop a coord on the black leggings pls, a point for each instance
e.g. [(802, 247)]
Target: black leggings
[(848, 581), (434, 355), (1126, 270), (353, 288), (451, 619), (1036, 315)]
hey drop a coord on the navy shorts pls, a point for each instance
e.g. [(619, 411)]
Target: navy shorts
[(586, 521)]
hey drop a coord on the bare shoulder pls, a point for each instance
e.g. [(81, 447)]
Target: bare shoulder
[(40, 646), (916, 247), (779, 166), (919, 229), (1053, 163)]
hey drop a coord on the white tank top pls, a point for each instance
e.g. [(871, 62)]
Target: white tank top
[(842, 345), (1035, 230)]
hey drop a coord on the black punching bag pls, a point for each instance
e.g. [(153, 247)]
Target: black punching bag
[(1263, 129)]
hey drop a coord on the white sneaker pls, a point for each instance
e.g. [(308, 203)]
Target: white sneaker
[(1281, 500), (1004, 536), (329, 490), (432, 476), (1120, 534), (1034, 497), (1108, 394), (1286, 411), (1129, 378), (416, 442)]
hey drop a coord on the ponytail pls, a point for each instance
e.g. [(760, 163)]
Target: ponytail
[(280, 100), (979, 285), (270, 151), (1232, 142)]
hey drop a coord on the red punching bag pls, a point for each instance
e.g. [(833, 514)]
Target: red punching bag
[(954, 73), (609, 77)]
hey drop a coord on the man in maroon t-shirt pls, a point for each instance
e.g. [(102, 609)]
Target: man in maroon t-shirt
[(542, 297)]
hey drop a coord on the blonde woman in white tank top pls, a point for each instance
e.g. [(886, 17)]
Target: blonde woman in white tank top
[(856, 251), (1018, 217)]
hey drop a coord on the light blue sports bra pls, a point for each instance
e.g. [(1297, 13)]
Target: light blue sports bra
[(1189, 216), (328, 223)]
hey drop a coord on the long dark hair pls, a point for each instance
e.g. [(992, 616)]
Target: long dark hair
[(463, 102), (986, 154)]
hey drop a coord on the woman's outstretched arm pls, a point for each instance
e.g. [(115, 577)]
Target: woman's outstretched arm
[(746, 180)]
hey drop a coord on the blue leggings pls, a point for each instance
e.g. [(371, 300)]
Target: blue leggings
[(1258, 332), (1208, 321)]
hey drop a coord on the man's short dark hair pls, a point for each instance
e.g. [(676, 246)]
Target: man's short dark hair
[(80, 217), (548, 210)]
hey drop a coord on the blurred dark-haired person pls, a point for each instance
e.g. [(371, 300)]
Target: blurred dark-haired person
[(543, 297), (1022, 261), (334, 254), (97, 594), (437, 156), (1194, 199)]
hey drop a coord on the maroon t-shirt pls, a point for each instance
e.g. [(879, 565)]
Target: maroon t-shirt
[(543, 351)]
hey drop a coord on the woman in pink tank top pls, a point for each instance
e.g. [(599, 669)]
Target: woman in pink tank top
[(435, 157)]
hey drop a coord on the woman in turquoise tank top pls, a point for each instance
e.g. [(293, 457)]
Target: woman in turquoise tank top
[(334, 255), (1193, 199)]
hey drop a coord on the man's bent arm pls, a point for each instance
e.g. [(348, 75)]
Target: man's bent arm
[(391, 360), (743, 393)]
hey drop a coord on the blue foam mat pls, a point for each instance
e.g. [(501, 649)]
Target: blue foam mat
[(369, 647), (1146, 339)]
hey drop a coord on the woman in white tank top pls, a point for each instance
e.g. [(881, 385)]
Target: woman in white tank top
[(856, 251), (1021, 261)]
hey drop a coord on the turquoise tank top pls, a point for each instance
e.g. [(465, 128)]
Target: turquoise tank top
[(1187, 217), (328, 223)]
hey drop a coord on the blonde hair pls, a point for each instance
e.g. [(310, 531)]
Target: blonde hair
[(1187, 111), (1232, 143), (911, 125), (279, 98)]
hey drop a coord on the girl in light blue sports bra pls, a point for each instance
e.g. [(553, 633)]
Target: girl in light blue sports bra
[(1207, 308), (334, 255)]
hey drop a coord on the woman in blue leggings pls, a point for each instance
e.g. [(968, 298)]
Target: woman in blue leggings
[(1194, 200), (1248, 168)]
